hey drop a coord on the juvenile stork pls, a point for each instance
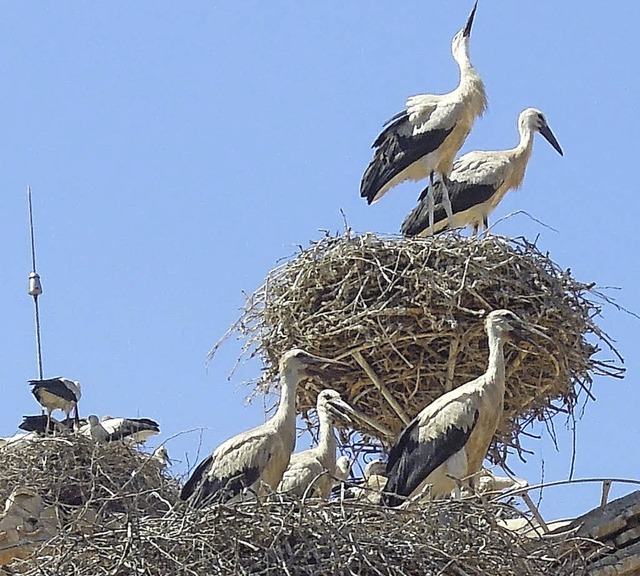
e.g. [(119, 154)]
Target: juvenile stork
[(312, 472), (343, 468), (57, 394), (130, 430), (372, 484), (259, 456), (424, 139), (448, 440), (479, 181)]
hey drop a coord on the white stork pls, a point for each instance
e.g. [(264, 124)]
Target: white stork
[(485, 481), (448, 440), (161, 456), (369, 489), (312, 472), (57, 394), (479, 181), (424, 138), (110, 429), (259, 456), (343, 468)]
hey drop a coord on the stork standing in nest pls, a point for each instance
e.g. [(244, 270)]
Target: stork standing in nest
[(57, 394), (479, 182), (424, 139), (447, 442), (257, 458), (313, 472)]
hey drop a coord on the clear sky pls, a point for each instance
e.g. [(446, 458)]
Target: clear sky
[(178, 150)]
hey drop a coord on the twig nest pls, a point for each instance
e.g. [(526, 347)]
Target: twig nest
[(405, 316)]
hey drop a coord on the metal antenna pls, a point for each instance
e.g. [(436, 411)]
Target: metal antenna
[(35, 288)]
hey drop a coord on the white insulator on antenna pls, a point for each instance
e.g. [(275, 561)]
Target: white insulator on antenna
[(35, 288)]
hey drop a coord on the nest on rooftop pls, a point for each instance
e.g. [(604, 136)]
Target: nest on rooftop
[(84, 479), (405, 318), (119, 514)]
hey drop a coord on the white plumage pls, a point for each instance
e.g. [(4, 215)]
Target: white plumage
[(255, 459), (312, 472), (372, 484), (485, 481), (161, 456), (110, 429), (448, 440), (57, 394), (479, 180), (424, 138), (343, 468)]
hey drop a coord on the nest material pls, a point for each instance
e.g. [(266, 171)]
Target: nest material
[(74, 474), (405, 318), (134, 523)]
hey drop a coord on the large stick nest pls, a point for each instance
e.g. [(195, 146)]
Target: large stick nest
[(122, 516), (405, 318)]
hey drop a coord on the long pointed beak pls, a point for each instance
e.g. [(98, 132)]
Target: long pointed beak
[(525, 331), (342, 410), (467, 27), (320, 366), (546, 132)]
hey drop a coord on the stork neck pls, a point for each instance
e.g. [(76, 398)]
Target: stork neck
[(471, 88), (496, 359), (462, 58), (525, 145), (287, 404), (327, 440)]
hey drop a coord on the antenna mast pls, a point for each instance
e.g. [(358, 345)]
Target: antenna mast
[(35, 287)]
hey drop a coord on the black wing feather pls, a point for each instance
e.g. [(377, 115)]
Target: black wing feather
[(394, 153), (54, 386), (131, 426), (202, 491), (411, 461), (463, 195), (38, 424)]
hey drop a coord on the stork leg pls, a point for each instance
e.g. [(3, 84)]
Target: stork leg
[(457, 466), (431, 204), (446, 201)]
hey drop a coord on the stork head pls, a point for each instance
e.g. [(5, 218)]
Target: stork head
[(375, 468), (303, 364), (330, 402), (343, 467), (507, 325), (93, 420), (24, 500), (460, 42), (161, 455), (533, 120)]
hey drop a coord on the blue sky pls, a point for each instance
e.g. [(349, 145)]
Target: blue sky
[(177, 151)]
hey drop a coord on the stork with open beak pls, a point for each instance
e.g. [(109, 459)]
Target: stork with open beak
[(423, 139), (479, 181), (448, 440), (312, 473), (255, 459)]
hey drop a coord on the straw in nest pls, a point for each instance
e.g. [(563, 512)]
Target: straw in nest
[(405, 318)]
